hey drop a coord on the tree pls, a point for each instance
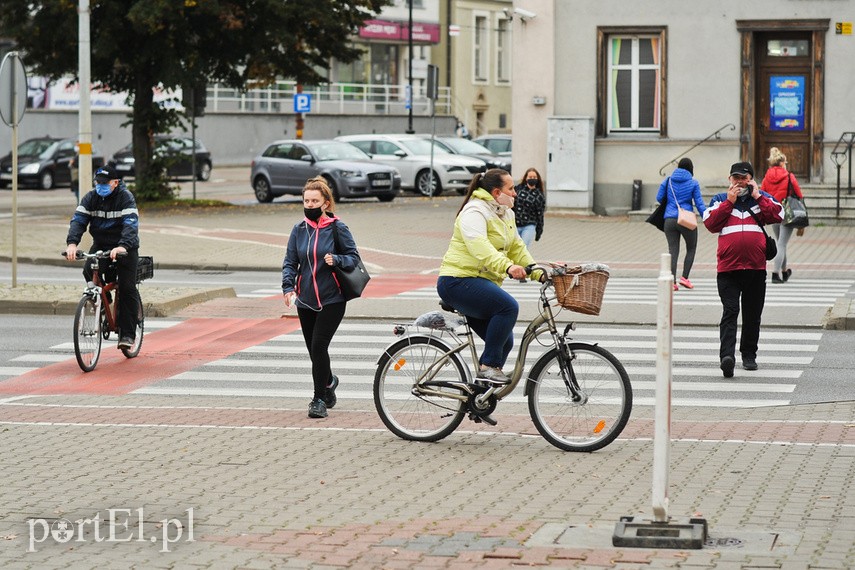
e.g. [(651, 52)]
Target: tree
[(140, 45)]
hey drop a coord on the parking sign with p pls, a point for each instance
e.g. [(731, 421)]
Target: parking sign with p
[(302, 102)]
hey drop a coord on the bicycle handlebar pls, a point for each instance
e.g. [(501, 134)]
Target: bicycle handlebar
[(100, 254)]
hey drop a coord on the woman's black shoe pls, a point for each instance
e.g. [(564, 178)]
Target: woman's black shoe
[(776, 279), (329, 395), (317, 409), (787, 274)]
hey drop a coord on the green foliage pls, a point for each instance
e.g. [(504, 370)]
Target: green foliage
[(139, 45)]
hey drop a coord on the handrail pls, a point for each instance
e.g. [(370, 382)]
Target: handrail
[(839, 156), (716, 135)]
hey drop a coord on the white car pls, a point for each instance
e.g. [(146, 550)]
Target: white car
[(410, 154)]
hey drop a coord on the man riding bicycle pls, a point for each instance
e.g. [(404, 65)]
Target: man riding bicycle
[(110, 213)]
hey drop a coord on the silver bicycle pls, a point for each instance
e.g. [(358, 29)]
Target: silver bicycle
[(579, 394)]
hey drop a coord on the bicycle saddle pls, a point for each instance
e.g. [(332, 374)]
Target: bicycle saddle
[(446, 307)]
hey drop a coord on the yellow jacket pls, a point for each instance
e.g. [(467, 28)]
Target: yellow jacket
[(485, 242)]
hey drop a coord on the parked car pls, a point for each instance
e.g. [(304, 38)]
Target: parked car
[(411, 155), (44, 162), (500, 144), (285, 165), (177, 154), (457, 145)]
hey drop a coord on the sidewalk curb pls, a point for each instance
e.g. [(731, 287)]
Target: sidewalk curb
[(63, 299), (840, 317)]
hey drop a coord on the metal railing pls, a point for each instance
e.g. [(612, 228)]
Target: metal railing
[(331, 98), (715, 135), (842, 153)]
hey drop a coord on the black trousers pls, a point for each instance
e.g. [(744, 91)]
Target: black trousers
[(746, 289), (673, 233), (318, 330), (126, 272)]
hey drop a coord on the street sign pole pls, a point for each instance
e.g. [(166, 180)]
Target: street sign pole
[(12, 107), (84, 119)]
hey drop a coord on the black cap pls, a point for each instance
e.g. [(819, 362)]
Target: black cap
[(741, 169), (105, 174)]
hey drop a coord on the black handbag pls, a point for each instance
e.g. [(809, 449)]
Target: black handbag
[(353, 281), (657, 218), (795, 211), (771, 246)]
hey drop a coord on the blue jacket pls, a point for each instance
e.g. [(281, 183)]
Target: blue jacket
[(113, 220), (304, 269), (687, 190)]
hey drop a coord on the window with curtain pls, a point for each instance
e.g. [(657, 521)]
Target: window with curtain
[(633, 89), (479, 49)]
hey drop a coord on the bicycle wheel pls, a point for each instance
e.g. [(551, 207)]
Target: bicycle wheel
[(418, 417), (134, 350), (87, 334), (596, 420)]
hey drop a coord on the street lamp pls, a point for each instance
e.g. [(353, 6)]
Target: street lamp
[(410, 43)]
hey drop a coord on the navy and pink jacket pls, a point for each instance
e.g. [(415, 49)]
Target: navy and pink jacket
[(304, 269), (741, 243)]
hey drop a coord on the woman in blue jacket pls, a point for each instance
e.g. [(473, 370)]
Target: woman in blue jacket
[(308, 281), (681, 188)]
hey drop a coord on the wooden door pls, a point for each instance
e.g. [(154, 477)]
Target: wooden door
[(783, 106)]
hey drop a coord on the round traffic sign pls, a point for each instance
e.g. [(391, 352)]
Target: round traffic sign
[(13, 89)]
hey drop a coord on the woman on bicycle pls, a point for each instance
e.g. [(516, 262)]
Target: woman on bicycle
[(485, 249), (309, 283)]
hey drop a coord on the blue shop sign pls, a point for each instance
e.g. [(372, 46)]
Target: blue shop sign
[(787, 103)]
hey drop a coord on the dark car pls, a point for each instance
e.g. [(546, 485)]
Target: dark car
[(285, 165), (176, 152), (44, 163), (457, 145)]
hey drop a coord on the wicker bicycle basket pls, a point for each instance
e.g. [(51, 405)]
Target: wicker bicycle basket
[(581, 288), (145, 268)]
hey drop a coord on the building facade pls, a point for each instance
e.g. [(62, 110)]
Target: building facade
[(475, 61), (640, 84)]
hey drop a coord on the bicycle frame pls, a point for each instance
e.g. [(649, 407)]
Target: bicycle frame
[(543, 322), (101, 291)]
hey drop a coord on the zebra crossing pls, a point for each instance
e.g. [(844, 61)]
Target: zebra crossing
[(281, 368), (643, 291)]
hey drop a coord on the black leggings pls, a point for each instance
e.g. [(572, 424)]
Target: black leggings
[(318, 330), (673, 231)]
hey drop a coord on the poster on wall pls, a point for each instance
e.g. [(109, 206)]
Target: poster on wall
[(787, 103), (65, 94)]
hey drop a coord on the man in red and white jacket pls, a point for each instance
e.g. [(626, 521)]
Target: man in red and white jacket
[(741, 261)]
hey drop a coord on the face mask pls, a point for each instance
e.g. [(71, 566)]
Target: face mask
[(313, 214), (531, 181), (745, 191), (505, 200), (103, 190)]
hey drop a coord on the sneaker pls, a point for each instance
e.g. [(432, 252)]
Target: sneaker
[(776, 278), (749, 363), (329, 395), (786, 274), (686, 283), (676, 287), (493, 376), (317, 409), (727, 364), (125, 342)]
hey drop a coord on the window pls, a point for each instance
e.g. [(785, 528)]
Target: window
[(479, 49), (503, 51), (632, 93)]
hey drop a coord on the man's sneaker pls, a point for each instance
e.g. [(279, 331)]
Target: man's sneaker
[(317, 409), (493, 376), (329, 395), (749, 363), (727, 364), (686, 283), (125, 342)]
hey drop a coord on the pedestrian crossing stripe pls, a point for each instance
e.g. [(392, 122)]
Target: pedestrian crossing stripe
[(280, 367), (643, 291)]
